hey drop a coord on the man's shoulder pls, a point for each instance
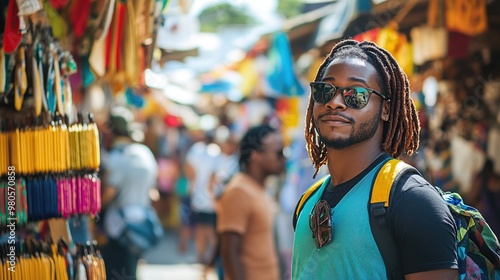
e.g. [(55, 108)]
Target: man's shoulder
[(412, 180), (414, 192), (243, 184)]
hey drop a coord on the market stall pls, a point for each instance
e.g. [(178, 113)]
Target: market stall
[(52, 52)]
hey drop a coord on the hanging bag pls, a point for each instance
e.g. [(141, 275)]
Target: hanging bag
[(142, 228)]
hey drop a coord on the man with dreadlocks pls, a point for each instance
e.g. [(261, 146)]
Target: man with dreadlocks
[(359, 116)]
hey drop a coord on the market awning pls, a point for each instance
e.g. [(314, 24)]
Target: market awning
[(342, 13)]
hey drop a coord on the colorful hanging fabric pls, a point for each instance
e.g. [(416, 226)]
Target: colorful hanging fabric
[(28, 7), (458, 45), (280, 73), (79, 14), (466, 16), (429, 43), (12, 37), (249, 76), (394, 42)]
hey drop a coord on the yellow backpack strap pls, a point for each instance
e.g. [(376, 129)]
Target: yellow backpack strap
[(308, 194), (388, 174), (385, 178)]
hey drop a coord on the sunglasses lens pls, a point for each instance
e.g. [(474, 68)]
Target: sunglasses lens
[(312, 225), (320, 223), (322, 92), (324, 237), (356, 98)]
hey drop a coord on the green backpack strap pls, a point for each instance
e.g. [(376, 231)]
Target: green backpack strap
[(382, 190)]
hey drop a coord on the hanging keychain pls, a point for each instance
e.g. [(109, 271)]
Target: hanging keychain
[(74, 191), (20, 79), (37, 87), (68, 67), (3, 76), (3, 200), (50, 92), (40, 69), (94, 141), (57, 80), (4, 150)]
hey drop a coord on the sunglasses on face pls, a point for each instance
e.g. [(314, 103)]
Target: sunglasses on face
[(321, 224), (354, 97)]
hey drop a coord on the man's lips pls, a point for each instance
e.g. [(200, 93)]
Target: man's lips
[(333, 118)]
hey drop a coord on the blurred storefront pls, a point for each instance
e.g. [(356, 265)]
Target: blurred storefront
[(58, 59)]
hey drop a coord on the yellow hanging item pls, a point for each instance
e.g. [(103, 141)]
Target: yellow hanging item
[(20, 79), (37, 87), (2, 71), (466, 16)]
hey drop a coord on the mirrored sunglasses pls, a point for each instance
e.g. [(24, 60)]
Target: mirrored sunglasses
[(354, 97), (321, 224)]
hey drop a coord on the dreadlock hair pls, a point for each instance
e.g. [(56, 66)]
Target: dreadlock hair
[(252, 141), (402, 132)]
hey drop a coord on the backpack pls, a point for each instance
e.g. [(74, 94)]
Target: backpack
[(478, 249)]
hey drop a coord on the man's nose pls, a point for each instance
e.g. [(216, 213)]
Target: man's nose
[(337, 101)]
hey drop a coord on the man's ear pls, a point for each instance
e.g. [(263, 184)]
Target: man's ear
[(253, 155), (386, 111)]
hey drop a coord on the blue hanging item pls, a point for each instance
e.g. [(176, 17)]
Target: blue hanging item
[(53, 198), (134, 99), (281, 76), (364, 6), (44, 199), (51, 96), (87, 76), (216, 86), (30, 197)]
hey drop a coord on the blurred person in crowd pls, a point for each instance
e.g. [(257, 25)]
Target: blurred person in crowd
[(183, 191), (131, 172), (246, 211), (485, 195), (333, 235), (226, 162), (200, 164), (168, 174), (226, 166)]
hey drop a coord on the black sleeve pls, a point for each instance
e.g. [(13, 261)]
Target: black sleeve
[(423, 227)]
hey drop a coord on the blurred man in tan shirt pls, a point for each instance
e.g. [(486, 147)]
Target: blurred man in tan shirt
[(245, 220)]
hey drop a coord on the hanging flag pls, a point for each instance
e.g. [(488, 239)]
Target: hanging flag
[(281, 76)]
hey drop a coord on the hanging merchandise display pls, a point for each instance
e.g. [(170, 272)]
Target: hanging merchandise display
[(48, 261), (429, 43), (49, 153), (394, 42), (55, 167), (37, 72), (465, 16)]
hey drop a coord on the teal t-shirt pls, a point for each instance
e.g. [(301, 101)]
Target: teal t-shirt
[(353, 252)]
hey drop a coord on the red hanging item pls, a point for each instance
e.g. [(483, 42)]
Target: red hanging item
[(11, 37), (120, 21), (58, 4), (113, 39), (458, 45), (79, 16)]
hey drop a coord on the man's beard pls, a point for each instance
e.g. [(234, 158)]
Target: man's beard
[(366, 131)]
